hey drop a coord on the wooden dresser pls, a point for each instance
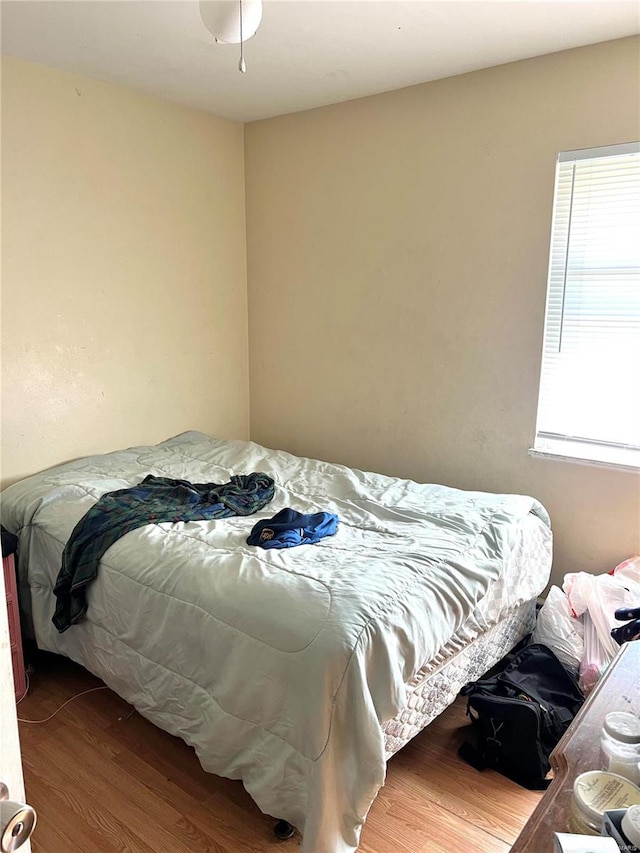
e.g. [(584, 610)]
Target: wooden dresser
[(579, 749), (15, 638)]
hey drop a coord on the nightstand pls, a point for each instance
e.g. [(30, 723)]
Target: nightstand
[(15, 637), (579, 749)]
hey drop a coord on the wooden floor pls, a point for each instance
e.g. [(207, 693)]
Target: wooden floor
[(101, 780)]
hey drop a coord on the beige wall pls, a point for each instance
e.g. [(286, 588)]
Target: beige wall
[(124, 305), (397, 258), (397, 270)]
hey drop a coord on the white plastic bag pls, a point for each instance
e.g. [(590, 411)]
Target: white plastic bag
[(596, 598), (629, 573), (558, 630)]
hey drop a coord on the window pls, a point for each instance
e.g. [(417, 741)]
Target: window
[(589, 403)]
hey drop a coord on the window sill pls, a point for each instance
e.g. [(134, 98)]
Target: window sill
[(557, 456)]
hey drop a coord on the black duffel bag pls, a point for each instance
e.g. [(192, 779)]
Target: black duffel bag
[(519, 715)]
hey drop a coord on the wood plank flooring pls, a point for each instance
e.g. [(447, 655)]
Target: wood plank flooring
[(103, 781)]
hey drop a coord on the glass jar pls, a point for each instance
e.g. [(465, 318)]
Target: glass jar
[(620, 745), (631, 826), (596, 792)]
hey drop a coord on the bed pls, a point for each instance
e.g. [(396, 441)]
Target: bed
[(298, 671)]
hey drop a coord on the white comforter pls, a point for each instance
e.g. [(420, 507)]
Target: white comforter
[(277, 666)]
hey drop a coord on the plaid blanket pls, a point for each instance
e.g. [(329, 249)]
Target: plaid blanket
[(154, 500)]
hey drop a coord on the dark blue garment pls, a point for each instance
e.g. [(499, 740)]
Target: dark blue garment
[(288, 528), (154, 500)]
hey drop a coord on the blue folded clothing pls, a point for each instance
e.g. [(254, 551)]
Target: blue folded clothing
[(288, 528)]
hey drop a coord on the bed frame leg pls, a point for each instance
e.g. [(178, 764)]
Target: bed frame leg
[(283, 830)]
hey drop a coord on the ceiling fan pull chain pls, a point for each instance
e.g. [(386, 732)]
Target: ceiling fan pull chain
[(241, 66)]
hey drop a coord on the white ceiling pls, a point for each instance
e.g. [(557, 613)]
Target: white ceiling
[(306, 53)]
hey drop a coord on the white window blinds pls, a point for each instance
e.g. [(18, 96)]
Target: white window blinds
[(589, 403)]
